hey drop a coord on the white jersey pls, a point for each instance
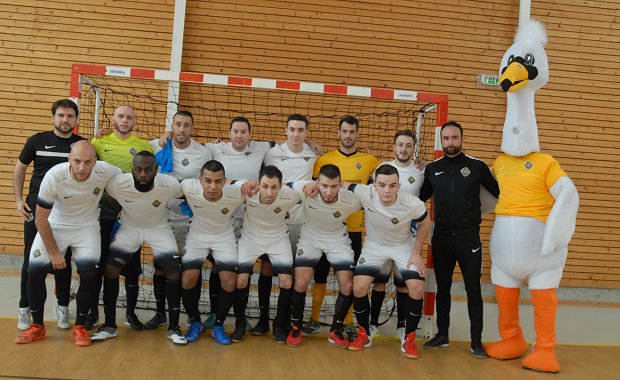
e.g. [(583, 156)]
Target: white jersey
[(410, 177), (389, 225), (327, 221), (186, 162), (144, 210), (243, 165), (294, 166), (268, 221), (74, 203), (212, 218)]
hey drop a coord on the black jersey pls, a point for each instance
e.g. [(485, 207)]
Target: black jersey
[(455, 183), (46, 149)]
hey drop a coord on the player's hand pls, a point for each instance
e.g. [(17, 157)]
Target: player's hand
[(102, 132), (58, 261), (420, 163), (310, 189), (24, 210), (249, 188), (164, 138), (416, 260)]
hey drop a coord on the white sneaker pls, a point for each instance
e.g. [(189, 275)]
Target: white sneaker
[(177, 337), (400, 334), (373, 331), (24, 320), (62, 314), (104, 332)]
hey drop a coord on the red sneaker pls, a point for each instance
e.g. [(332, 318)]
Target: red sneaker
[(34, 332), (80, 336), (337, 338), (361, 341), (294, 337), (409, 348)]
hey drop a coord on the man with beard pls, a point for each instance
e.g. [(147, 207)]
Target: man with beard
[(455, 181)]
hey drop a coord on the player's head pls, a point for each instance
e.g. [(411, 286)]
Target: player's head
[(296, 130), (386, 184), (64, 116), (124, 120), (451, 138), (182, 123), (144, 170), (82, 160), (240, 133), (212, 179), (348, 130), (404, 145), (269, 184), (329, 183)]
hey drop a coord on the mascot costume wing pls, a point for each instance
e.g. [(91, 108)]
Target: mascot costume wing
[(535, 213)]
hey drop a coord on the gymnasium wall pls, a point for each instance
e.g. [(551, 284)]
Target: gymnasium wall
[(436, 46)]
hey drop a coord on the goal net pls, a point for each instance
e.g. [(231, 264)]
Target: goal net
[(214, 100)]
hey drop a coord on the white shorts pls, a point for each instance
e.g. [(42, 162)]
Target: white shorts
[(223, 249), (384, 276), (338, 252), (374, 257), (515, 246), (278, 250), (85, 243)]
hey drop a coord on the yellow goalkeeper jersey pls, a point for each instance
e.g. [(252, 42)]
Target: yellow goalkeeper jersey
[(119, 152)]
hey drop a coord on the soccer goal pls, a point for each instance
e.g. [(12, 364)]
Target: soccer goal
[(215, 99)]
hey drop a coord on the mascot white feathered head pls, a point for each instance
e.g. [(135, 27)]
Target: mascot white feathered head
[(524, 69)]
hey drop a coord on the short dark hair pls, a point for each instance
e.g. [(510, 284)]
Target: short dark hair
[(144, 154), (298, 117), (330, 171), (271, 172), (404, 132), (451, 124), (65, 103), (213, 166), (349, 120), (184, 113), (386, 170), (241, 119)]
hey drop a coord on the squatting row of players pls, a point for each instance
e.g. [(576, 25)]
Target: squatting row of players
[(99, 201)]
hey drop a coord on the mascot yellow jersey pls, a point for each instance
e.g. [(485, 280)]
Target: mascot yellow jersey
[(524, 184), (354, 168)]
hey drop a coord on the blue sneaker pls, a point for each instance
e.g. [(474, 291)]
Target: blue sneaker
[(220, 335), (195, 329)]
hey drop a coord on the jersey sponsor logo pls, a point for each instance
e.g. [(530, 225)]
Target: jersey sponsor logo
[(475, 250), (277, 210), (156, 203), (528, 165), (50, 146), (247, 153), (465, 171), (107, 150), (314, 208), (438, 173), (133, 151), (394, 221), (337, 214), (225, 211), (358, 165), (369, 209), (176, 256), (69, 196), (283, 158), (300, 252), (185, 161), (36, 253), (252, 205), (411, 179), (128, 201), (96, 191)]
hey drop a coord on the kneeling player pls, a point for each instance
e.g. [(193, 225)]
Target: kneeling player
[(388, 236)]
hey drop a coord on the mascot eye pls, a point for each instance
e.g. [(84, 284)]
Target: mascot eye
[(510, 59), (529, 59)]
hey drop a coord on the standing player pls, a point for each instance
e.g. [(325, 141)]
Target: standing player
[(211, 232), (388, 237), (356, 167), (143, 195), (45, 149), (324, 232), (187, 157), (66, 216), (265, 232), (118, 148)]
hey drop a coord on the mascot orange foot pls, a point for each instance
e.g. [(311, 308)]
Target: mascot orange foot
[(512, 345), (543, 358)]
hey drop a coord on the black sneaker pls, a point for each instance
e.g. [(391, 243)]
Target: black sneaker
[(237, 335), (437, 342), (92, 320), (279, 336), (261, 328), (132, 321), (159, 319), (477, 349)]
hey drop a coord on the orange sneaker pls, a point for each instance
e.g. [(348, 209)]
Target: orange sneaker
[(34, 332), (338, 338), (80, 336), (409, 348), (294, 337), (361, 341)]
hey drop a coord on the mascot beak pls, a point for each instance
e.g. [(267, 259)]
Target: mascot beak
[(516, 75)]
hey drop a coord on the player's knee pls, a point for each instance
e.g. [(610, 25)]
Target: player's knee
[(346, 288), (416, 289), (242, 281), (111, 271), (229, 281), (286, 282)]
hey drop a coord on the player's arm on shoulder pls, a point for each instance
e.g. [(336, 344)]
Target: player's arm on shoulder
[(249, 187), (19, 177), (164, 138)]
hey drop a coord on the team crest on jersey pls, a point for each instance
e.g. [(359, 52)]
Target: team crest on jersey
[(528, 165), (133, 151), (394, 221), (156, 203), (96, 191), (277, 210), (300, 252), (36, 253), (465, 171), (185, 161), (411, 179), (337, 214), (225, 211), (362, 260), (358, 165)]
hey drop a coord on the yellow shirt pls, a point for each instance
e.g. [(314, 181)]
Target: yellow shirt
[(524, 184), (119, 152), (354, 168)]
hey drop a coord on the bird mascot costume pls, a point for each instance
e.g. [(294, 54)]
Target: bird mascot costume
[(535, 213)]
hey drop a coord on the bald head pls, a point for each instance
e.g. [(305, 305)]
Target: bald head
[(82, 159), (124, 121)]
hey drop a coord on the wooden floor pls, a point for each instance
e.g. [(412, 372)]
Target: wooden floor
[(149, 355)]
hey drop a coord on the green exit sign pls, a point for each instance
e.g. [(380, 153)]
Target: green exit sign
[(488, 80)]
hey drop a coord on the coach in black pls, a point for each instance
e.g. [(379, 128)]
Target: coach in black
[(455, 181)]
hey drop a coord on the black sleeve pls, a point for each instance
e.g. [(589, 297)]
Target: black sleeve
[(352, 187), (488, 181), (29, 151), (427, 187), (422, 217)]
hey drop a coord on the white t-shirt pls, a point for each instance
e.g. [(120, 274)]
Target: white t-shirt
[(74, 203), (212, 218), (144, 210), (294, 166), (187, 162), (263, 221), (327, 221), (410, 177), (240, 165), (389, 225)]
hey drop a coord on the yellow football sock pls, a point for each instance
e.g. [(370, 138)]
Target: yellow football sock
[(349, 318), (318, 294)]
